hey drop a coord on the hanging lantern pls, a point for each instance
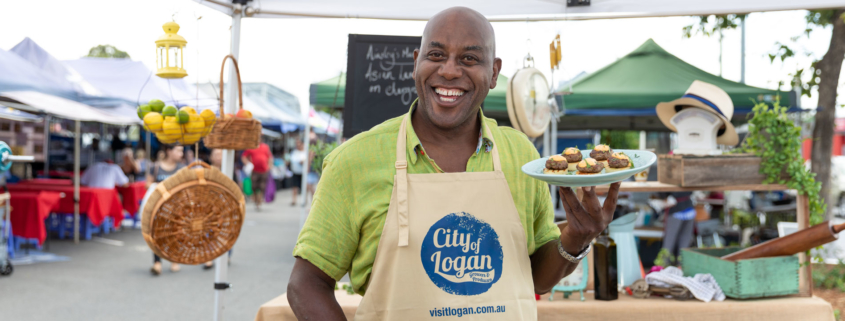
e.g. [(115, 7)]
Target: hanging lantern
[(169, 62)]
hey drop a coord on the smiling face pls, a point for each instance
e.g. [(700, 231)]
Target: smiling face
[(455, 67)]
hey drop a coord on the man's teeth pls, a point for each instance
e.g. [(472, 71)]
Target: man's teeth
[(449, 92)]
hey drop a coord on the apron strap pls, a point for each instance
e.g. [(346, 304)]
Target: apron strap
[(401, 180), (402, 184)]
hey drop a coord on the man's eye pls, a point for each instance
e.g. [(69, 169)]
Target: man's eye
[(470, 58), (435, 55)]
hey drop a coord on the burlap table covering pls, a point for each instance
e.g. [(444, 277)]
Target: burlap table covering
[(626, 308)]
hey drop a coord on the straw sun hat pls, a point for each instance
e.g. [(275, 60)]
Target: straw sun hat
[(708, 97)]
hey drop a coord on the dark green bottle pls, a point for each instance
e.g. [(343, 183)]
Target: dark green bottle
[(604, 263)]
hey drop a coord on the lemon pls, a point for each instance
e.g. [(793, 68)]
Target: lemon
[(153, 121), (171, 127), (196, 125), (209, 117), (189, 110), (189, 139), (164, 139)]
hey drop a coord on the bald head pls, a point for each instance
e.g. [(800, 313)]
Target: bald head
[(455, 68), (462, 19)]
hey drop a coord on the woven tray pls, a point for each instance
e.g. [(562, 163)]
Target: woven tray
[(233, 132), (194, 216)]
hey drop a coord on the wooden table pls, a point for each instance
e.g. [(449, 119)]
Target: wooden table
[(626, 308)]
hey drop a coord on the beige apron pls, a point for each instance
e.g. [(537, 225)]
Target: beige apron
[(452, 246)]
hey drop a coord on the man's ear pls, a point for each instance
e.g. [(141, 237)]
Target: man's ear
[(497, 67), (416, 54)]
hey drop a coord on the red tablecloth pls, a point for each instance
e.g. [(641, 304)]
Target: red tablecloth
[(47, 181), (96, 203), (29, 210), (132, 196)]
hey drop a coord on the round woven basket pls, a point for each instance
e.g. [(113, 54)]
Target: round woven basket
[(194, 216), (233, 132)]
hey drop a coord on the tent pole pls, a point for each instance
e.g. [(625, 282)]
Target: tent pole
[(221, 268), (47, 146), (76, 150), (742, 55)]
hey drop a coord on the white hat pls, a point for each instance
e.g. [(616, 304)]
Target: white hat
[(708, 97)]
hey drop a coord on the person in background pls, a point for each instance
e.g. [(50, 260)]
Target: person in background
[(262, 161), (189, 156), (127, 163), (164, 168), (159, 156), (104, 174), (141, 165), (312, 178), (297, 161), (679, 220)]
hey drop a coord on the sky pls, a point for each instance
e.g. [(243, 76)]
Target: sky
[(293, 53)]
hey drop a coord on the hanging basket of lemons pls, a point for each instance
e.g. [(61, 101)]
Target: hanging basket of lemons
[(182, 126)]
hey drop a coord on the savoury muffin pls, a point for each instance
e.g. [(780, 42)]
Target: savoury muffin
[(556, 165), (618, 162), (601, 153), (589, 166), (573, 157)]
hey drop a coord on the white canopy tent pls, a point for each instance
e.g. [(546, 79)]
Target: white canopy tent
[(509, 10), (494, 10), (68, 109)]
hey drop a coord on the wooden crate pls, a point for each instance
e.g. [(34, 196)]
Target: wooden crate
[(689, 170), (744, 279)]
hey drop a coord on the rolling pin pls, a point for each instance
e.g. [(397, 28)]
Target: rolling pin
[(791, 244)]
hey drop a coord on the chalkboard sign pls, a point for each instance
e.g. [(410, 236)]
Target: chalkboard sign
[(379, 80)]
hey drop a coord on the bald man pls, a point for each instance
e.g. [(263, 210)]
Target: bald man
[(429, 213)]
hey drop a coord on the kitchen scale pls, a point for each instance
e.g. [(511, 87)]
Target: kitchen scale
[(697, 131)]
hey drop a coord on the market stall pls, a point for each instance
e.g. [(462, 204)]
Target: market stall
[(78, 112)]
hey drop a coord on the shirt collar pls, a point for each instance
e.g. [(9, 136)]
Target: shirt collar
[(415, 148)]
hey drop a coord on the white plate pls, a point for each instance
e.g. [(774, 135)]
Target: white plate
[(642, 160)]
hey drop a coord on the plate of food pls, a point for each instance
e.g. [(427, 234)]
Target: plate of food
[(599, 166)]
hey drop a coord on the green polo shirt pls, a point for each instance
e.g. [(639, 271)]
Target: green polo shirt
[(344, 226)]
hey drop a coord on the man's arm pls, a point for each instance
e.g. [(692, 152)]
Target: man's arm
[(586, 220), (311, 293)]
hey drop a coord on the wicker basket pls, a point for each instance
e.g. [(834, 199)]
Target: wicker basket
[(194, 216), (233, 132)]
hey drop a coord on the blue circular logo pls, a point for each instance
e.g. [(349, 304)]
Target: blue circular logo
[(462, 254)]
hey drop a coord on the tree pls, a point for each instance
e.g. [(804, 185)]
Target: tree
[(107, 51), (822, 75)]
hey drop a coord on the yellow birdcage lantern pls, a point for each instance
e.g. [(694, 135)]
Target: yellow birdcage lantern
[(169, 58)]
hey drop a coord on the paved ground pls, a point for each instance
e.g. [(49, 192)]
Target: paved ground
[(109, 282)]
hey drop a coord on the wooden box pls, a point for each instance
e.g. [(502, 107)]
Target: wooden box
[(744, 279), (721, 170)]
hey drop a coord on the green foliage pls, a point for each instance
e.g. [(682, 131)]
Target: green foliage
[(773, 137), (830, 277), (321, 150), (719, 22), (806, 78), (621, 139), (107, 51)]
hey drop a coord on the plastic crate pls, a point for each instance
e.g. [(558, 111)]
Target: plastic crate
[(744, 279)]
